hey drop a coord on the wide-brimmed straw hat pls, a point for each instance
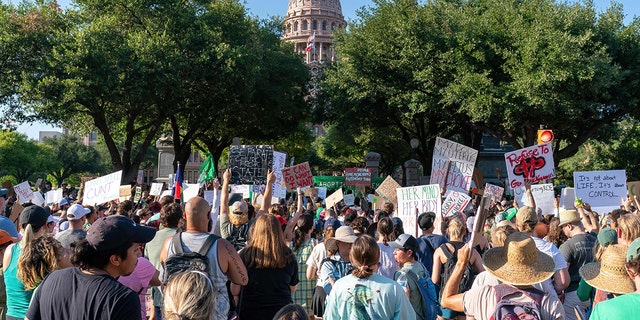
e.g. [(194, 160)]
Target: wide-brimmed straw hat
[(519, 262), (343, 234), (609, 274)]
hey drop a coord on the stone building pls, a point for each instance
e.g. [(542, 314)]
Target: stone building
[(310, 24)]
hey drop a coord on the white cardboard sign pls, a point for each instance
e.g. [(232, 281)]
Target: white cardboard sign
[(534, 164), (455, 202), (603, 190), (24, 192), (453, 163), (425, 198), (156, 189), (543, 195), (103, 189)]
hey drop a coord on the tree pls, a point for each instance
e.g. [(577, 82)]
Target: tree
[(393, 65), (72, 157), (523, 64), (22, 158)]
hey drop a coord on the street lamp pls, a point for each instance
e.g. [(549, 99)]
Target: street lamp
[(414, 142)]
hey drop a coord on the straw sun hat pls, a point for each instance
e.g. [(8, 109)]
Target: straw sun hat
[(609, 274), (519, 262)]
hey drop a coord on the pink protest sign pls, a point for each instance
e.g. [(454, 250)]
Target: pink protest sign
[(297, 176), (533, 164)]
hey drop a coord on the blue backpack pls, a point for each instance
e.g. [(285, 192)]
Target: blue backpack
[(428, 293)]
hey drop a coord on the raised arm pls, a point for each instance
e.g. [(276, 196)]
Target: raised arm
[(268, 191), (291, 224), (532, 201), (224, 194)]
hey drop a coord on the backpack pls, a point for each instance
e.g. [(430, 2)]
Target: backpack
[(238, 236), (507, 309), (447, 269), (181, 261), (428, 293), (347, 270)]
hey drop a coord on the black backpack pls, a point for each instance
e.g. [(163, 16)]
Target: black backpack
[(447, 269), (238, 236), (181, 261)]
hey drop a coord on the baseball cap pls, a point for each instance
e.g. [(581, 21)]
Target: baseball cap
[(34, 215), (332, 222), (4, 192), (526, 215), (510, 213), (113, 231), (76, 212), (405, 241), (632, 251), (240, 206), (6, 237), (63, 202), (607, 236)]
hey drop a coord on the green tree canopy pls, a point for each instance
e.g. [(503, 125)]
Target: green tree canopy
[(23, 158), (72, 157)]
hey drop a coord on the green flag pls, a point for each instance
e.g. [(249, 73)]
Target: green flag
[(207, 169)]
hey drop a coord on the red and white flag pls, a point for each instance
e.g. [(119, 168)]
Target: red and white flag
[(311, 42)]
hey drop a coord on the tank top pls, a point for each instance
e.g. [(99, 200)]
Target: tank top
[(17, 297), (192, 242)]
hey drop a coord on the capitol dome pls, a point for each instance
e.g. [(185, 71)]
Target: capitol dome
[(309, 24)]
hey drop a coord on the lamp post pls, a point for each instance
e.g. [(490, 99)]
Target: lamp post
[(414, 142)]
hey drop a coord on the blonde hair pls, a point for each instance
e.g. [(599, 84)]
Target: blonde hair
[(500, 234), (364, 254), (29, 236), (37, 260), (266, 248), (189, 295), (629, 225), (456, 229)]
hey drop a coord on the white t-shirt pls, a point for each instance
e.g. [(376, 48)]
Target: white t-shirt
[(480, 303), (317, 255)]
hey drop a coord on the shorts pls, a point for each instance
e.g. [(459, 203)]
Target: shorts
[(318, 302)]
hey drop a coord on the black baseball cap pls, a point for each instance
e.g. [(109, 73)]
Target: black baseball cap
[(34, 215), (426, 219), (113, 231)]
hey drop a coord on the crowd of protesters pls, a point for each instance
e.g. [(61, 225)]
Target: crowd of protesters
[(297, 259)]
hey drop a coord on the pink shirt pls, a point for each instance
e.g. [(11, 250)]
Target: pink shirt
[(138, 281)]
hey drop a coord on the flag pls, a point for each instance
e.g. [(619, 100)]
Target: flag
[(311, 42), (207, 169), (177, 184)]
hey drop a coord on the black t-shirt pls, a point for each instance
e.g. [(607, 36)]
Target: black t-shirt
[(69, 294), (268, 290)]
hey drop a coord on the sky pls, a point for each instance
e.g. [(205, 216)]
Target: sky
[(267, 8)]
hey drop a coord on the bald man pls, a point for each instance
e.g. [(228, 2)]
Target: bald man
[(224, 262)]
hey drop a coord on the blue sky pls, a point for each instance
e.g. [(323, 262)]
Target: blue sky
[(266, 8)]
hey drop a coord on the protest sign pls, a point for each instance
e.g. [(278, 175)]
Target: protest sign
[(165, 193), (357, 177), (603, 190), (455, 202), (24, 192), (334, 198), (452, 163), (190, 190), (349, 199), (493, 190), (424, 198), (156, 189), (387, 190), (38, 182), (208, 196), (568, 198), (50, 197), (243, 189), (633, 188), (279, 161), (124, 191), (250, 164), (37, 199), (311, 192), (533, 164), (102, 189), (329, 182), (543, 195), (138, 195), (297, 176)]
